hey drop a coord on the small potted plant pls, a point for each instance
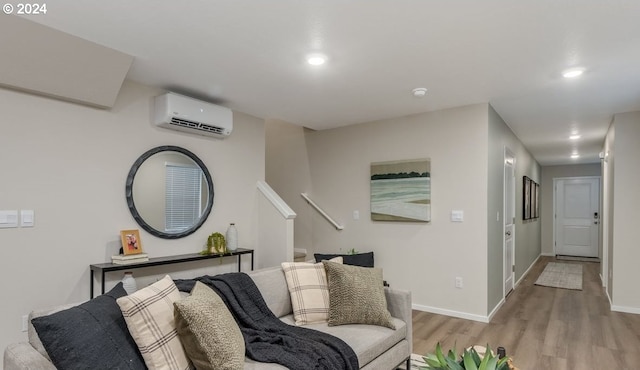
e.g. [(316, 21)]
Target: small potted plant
[(216, 244), (470, 359)]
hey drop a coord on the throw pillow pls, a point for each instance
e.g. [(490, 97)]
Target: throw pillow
[(208, 331), (358, 259), (307, 284), (92, 335), (356, 296), (149, 316)]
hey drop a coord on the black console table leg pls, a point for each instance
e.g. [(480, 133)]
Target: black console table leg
[(102, 281), (239, 262)]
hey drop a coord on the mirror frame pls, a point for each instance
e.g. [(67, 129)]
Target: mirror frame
[(131, 203)]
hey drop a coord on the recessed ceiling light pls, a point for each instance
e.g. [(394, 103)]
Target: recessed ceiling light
[(419, 92), (316, 59), (574, 156), (574, 137), (572, 73)]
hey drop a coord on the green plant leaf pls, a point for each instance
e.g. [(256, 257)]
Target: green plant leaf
[(452, 354), (439, 353), (432, 361), (469, 362), (475, 356), (487, 356), (491, 364), (502, 364), (453, 365)]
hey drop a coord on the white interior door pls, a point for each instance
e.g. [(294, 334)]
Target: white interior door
[(509, 220), (577, 216)]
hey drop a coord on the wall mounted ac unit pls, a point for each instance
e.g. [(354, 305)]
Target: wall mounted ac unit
[(181, 113)]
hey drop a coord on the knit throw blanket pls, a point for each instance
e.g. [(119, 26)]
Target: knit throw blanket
[(267, 339)]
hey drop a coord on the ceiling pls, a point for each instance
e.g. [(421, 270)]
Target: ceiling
[(250, 56)]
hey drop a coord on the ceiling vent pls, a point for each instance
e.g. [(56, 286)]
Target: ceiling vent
[(181, 113)]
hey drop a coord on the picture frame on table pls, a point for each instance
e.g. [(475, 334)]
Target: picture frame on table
[(131, 242)]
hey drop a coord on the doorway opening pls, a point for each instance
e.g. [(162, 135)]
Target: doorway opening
[(509, 213)]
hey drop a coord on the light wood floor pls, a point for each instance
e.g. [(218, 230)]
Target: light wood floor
[(545, 328)]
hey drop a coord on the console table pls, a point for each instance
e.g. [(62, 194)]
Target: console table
[(103, 268)]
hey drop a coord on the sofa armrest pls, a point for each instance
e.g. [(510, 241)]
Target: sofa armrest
[(399, 306), (22, 356)]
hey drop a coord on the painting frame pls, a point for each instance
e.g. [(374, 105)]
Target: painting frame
[(131, 242), (400, 191), (535, 204), (526, 198)]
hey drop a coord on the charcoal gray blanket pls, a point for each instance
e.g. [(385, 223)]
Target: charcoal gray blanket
[(267, 339)]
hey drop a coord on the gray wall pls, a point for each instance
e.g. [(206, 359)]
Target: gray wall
[(466, 147), (69, 164), (626, 247), (527, 233), (288, 173)]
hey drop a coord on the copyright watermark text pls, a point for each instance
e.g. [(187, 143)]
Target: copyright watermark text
[(25, 8)]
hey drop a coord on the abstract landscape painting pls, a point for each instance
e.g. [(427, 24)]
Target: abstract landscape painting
[(401, 190)]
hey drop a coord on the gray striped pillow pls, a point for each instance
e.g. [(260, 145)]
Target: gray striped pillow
[(149, 317)]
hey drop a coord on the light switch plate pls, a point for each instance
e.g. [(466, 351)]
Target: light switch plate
[(457, 216), (26, 218), (8, 219)]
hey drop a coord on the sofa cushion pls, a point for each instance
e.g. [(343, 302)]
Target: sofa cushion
[(149, 316), (208, 331), (367, 341), (91, 335), (356, 295), (273, 286), (358, 259), (307, 283)]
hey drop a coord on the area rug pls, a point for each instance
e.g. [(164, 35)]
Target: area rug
[(581, 259), (416, 363), (561, 275)]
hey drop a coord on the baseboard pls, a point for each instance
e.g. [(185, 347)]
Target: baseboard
[(634, 310), (495, 309), (609, 298), (526, 272), (458, 314), (548, 254)]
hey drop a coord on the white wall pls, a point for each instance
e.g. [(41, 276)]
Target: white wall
[(626, 250), (69, 163), (546, 197), (422, 257)]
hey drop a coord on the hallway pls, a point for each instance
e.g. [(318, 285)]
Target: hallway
[(545, 328)]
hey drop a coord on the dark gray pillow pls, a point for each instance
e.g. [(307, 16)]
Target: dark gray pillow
[(92, 335), (358, 259)]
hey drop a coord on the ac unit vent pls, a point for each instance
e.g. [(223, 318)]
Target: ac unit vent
[(196, 126), (186, 114)]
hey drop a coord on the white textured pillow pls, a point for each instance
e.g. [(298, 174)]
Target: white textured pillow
[(307, 283), (149, 316)]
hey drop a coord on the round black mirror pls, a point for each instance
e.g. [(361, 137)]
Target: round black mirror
[(169, 192)]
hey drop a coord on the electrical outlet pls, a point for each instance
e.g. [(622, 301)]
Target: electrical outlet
[(459, 282), (25, 322)]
